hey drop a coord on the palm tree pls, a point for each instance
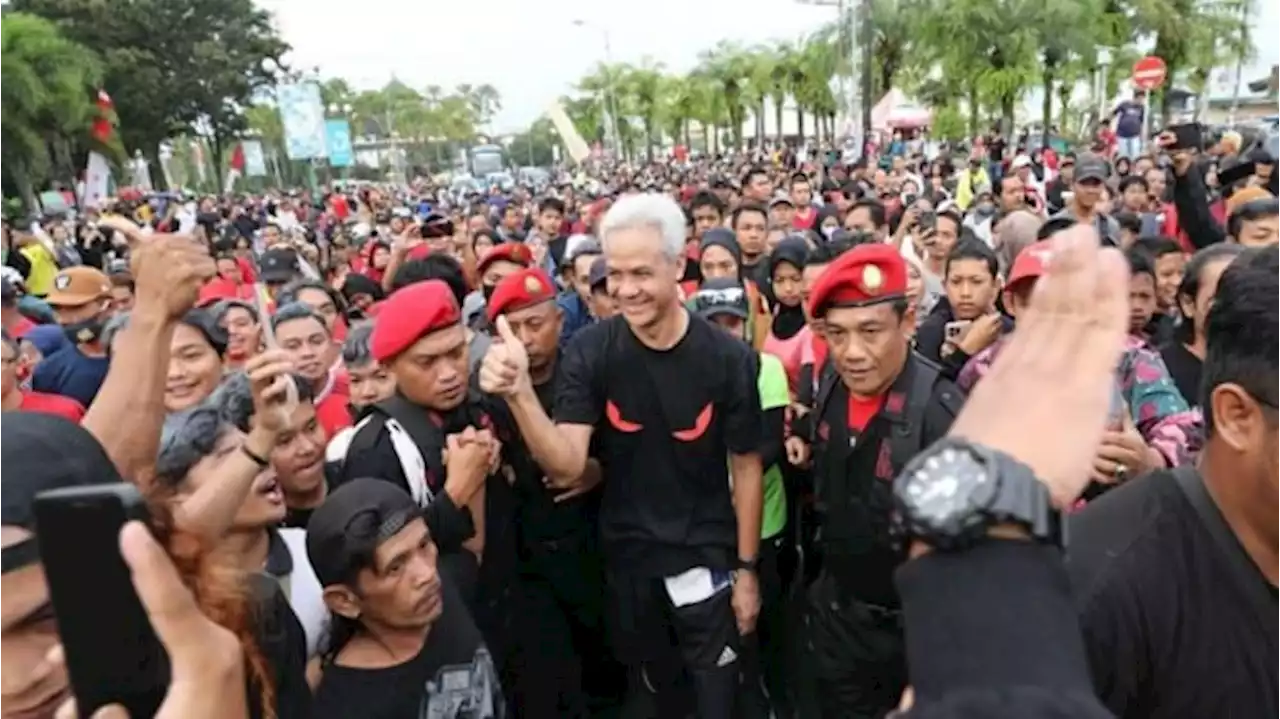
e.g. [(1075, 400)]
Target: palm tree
[(644, 86), (488, 101), (45, 87), (729, 66)]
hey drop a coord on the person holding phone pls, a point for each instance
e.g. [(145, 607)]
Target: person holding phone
[(966, 321)]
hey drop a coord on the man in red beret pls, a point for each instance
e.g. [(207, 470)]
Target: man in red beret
[(878, 404), (501, 261), (666, 396), (442, 443), (562, 572)]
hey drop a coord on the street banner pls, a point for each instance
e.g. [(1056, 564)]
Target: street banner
[(302, 114), (255, 163), (337, 132), (97, 181)]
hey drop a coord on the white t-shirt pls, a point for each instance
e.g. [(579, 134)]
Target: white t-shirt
[(306, 596)]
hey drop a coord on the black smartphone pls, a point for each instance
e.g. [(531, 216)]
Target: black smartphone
[(113, 655), (927, 220), (1189, 136)]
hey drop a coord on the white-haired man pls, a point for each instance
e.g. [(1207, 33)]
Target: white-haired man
[(662, 397)]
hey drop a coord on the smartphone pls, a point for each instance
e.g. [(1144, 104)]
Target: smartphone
[(927, 220), (1188, 136), (954, 330), (113, 655)]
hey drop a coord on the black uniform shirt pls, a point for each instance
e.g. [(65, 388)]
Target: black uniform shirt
[(854, 472)]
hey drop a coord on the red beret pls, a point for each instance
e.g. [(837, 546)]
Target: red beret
[(519, 290), (216, 290), (514, 252), (865, 275), (410, 313)]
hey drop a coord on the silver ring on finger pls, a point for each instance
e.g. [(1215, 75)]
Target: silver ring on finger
[(1120, 472)]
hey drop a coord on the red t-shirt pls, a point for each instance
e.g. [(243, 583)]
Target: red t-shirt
[(21, 327), (804, 218), (862, 409), (52, 404), (333, 412)]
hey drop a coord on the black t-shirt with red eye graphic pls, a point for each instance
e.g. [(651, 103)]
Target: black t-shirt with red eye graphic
[(665, 423)]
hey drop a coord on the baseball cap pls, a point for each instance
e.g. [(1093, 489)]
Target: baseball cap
[(781, 199), (1020, 162), (1091, 167), (721, 296), (599, 274), (78, 286), (345, 531), (277, 266), (579, 245), (1032, 262), (44, 452)]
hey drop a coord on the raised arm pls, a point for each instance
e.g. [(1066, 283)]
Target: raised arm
[(129, 409), (560, 448)]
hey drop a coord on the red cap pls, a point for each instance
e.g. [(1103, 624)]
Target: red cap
[(1032, 262), (409, 314), (514, 252), (419, 252), (865, 275), (522, 289), (216, 290)]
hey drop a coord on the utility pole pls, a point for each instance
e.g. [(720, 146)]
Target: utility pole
[(1235, 94), (858, 111)]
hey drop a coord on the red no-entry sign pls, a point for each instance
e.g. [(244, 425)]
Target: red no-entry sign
[(1149, 73)]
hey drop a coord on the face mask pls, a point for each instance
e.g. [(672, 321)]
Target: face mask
[(984, 210), (829, 231), (84, 331)]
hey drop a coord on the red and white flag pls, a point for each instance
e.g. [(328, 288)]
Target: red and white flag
[(235, 169)]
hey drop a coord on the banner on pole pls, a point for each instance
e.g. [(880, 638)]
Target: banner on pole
[(302, 114), (337, 132), (255, 163)]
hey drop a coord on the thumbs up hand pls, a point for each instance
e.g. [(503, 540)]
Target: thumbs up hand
[(505, 369)]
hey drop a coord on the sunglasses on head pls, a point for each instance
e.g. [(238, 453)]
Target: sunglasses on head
[(21, 554), (727, 297)]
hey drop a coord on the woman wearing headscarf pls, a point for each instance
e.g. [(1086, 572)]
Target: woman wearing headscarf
[(785, 338), (720, 255)]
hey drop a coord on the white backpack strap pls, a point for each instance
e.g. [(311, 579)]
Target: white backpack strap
[(411, 463)]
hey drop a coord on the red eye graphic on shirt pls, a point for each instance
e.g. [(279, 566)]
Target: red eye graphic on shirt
[(699, 427), (619, 422)]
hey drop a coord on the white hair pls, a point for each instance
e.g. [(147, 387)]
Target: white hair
[(651, 211)]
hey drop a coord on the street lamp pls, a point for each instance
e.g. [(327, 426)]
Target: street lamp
[(611, 101)]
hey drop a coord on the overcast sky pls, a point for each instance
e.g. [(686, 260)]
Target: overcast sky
[(531, 51)]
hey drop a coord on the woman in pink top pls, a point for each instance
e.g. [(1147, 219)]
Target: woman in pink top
[(787, 333)]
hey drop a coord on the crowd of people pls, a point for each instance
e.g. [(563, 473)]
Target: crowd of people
[(980, 434)]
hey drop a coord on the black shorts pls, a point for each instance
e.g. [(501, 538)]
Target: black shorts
[(646, 627)]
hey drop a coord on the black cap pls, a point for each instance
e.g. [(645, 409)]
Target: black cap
[(8, 293), (721, 296), (1091, 167), (43, 452), (353, 520), (599, 273), (278, 266)]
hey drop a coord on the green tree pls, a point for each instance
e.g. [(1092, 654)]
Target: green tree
[(533, 147), (237, 60), (46, 84)]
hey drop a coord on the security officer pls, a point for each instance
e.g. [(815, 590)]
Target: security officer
[(567, 669), (419, 336), (878, 404)]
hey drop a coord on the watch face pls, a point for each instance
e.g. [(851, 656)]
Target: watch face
[(948, 487)]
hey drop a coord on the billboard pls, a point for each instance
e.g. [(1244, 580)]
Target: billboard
[(337, 132)]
